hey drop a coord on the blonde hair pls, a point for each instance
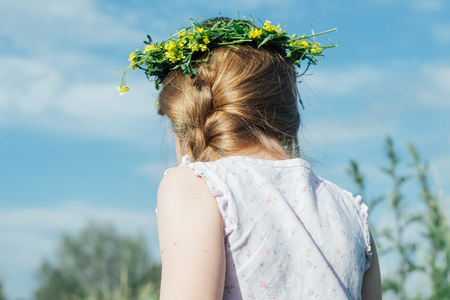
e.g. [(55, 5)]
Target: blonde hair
[(241, 97)]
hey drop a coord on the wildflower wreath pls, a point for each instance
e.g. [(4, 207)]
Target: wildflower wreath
[(183, 48)]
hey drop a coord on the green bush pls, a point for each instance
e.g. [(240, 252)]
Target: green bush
[(393, 239)]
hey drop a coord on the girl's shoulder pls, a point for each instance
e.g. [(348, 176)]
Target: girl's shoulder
[(180, 180), (190, 235)]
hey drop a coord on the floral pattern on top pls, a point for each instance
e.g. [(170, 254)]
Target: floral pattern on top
[(289, 233)]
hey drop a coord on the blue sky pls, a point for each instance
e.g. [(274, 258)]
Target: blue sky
[(73, 150)]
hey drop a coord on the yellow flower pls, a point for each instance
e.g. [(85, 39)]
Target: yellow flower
[(174, 56), (172, 52), (149, 48), (269, 28), (255, 33), (194, 45), (182, 34), (302, 43), (123, 89), (171, 46), (316, 49), (132, 61), (279, 29), (200, 29), (180, 55), (181, 43)]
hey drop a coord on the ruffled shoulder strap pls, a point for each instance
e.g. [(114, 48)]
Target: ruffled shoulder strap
[(364, 216), (185, 160)]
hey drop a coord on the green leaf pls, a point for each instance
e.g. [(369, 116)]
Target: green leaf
[(238, 28), (265, 40)]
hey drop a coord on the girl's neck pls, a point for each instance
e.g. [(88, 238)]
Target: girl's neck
[(272, 151), (275, 152)]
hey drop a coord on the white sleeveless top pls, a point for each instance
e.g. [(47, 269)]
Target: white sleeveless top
[(288, 233)]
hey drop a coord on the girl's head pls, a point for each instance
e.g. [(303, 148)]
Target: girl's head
[(242, 97)]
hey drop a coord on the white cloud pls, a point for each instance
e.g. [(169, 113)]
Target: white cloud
[(27, 235), (420, 5), (155, 169), (243, 6), (33, 25), (60, 87), (434, 90), (56, 87), (331, 97), (329, 130), (342, 87), (40, 96), (349, 109), (43, 94), (425, 86), (427, 5), (442, 33)]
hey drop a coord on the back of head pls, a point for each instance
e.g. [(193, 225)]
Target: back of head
[(242, 96)]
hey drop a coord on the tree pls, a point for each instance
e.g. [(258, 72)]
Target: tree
[(98, 263), (2, 296)]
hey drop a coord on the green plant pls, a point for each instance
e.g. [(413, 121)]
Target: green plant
[(396, 236), (428, 256), (98, 264), (436, 232), (360, 182)]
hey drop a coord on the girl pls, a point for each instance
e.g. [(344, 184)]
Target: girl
[(243, 217)]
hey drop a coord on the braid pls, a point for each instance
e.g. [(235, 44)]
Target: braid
[(195, 114), (239, 98)]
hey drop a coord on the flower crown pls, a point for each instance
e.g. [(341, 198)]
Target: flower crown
[(183, 48)]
